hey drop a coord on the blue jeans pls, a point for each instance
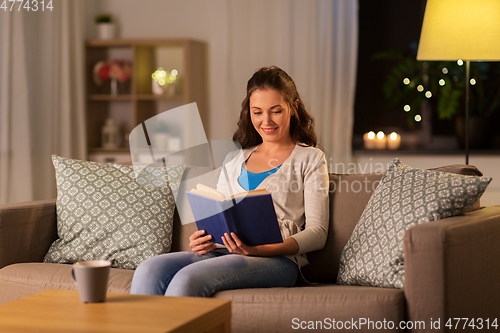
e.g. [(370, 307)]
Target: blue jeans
[(189, 274)]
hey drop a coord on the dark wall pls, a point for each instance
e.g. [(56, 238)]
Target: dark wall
[(383, 25)]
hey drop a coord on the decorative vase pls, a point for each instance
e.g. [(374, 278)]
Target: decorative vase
[(110, 134), (114, 87), (106, 30), (157, 89)]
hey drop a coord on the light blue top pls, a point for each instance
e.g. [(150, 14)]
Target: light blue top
[(250, 180)]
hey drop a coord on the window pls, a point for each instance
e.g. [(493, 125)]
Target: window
[(391, 27)]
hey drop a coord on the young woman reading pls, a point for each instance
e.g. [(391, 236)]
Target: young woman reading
[(278, 153)]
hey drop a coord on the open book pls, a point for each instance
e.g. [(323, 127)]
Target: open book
[(217, 195), (250, 215)]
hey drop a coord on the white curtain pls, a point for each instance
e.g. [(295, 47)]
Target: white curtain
[(16, 182), (41, 97), (315, 41)]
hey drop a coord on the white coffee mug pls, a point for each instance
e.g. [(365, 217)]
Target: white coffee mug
[(91, 277)]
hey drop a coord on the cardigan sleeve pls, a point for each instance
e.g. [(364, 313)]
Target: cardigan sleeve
[(316, 208), (228, 168), (223, 183)]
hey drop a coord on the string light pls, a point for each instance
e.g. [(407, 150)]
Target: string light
[(420, 88), (159, 76), (407, 108), (442, 82), (445, 70), (460, 62), (428, 94), (418, 118), (406, 81), (473, 82)]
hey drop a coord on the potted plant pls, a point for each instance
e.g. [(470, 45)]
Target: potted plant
[(105, 26), (441, 84)]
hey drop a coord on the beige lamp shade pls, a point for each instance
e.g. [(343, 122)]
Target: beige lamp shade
[(460, 29)]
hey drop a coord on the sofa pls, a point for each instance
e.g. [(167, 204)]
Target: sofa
[(452, 270)]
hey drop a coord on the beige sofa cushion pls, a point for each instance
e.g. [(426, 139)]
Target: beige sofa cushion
[(20, 280), (283, 309), (348, 197), (26, 231)]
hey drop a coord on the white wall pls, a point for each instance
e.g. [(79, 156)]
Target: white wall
[(197, 19), (489, 166), (207, 21)]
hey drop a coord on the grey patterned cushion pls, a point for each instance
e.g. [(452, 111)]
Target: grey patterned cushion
[(103, 212), (406, 197)]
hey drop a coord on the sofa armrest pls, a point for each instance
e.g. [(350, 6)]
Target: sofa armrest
[(26, 231), (452, 267)]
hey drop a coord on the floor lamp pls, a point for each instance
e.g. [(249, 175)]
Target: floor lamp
[(467, 30)]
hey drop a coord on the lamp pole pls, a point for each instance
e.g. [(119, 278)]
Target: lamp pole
[(461, 29), (467, 74)]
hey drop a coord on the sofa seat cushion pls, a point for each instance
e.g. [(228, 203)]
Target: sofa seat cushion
[(20, 280), (283, 309)]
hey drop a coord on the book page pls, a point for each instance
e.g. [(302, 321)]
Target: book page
[(250, 193), (208, 192), (217, 195)]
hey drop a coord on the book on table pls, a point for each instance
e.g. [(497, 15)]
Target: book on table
[(250, 215)]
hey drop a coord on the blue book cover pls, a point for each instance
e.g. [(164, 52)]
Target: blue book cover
[(251, 217)]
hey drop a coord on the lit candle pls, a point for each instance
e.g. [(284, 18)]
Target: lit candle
[(369, 140), (381, 141), (394, 141)]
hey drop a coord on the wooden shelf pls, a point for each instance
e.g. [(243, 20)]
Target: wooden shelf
[(139, 103), (148, 97), (104, 97), (108, 150), (180, 42), (140, 97)]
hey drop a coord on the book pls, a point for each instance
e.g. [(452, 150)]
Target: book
[(250, 215)]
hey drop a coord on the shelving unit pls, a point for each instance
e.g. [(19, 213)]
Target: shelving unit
[(135, 101)]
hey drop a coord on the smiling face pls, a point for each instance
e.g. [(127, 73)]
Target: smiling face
[(270, 115)]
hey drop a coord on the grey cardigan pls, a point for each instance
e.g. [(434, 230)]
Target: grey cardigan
[(300, 194)]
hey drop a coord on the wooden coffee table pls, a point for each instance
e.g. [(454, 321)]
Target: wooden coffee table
[(62, 311)]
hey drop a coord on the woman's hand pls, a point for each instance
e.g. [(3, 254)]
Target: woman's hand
[(235, 245), (201, 245)]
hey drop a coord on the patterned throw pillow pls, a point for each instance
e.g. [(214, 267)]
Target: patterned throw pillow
[(104, 212), (406, 197)]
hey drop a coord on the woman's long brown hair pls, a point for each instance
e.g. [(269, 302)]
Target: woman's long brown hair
[(301, 122)]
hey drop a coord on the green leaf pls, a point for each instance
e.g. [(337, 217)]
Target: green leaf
[(448, 102)]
